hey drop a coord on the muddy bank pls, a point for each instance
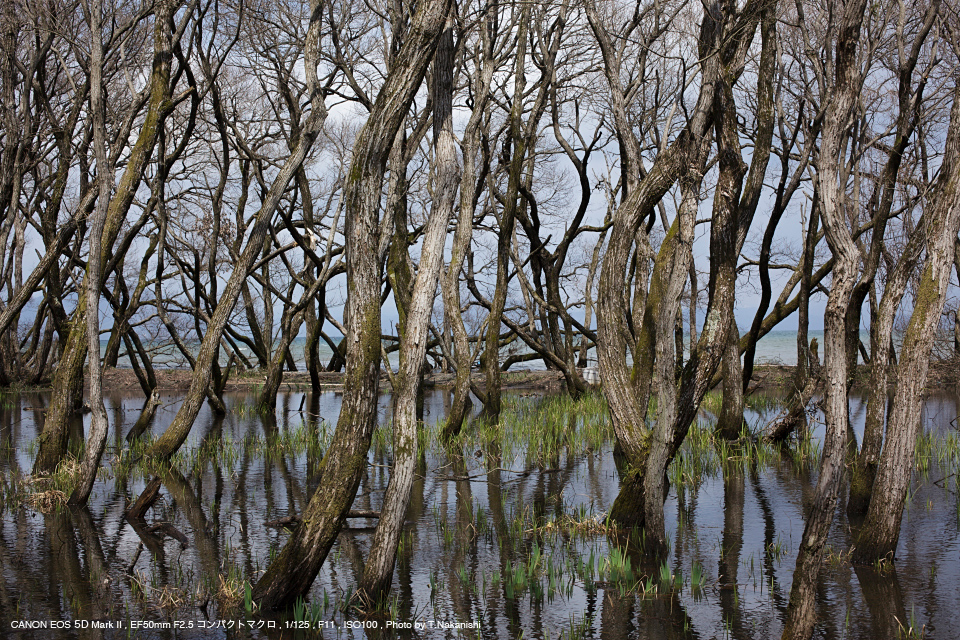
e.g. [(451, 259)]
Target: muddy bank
[(769, 378), (179, 380)]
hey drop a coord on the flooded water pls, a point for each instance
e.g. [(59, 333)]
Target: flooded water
[(504, 537)]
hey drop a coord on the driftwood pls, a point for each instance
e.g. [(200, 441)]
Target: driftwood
[(169, 530), (147, 497)]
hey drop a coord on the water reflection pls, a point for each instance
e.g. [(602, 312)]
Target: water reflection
[(477, 515)]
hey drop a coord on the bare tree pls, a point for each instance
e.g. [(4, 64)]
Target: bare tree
[(68, 381), (378, 571), (294, 570), (178, 430)]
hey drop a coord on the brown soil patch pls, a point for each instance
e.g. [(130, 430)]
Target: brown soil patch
[(765, 378), (179, 380)]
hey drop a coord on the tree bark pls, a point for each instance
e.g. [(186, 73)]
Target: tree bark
[(168, 443), (68, 381), (880, 533), (801, 613), (378, 570), (295, 568), (99, 423), (450, 281), (730, 420)]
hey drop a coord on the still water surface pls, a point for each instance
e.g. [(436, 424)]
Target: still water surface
[(476, 522)]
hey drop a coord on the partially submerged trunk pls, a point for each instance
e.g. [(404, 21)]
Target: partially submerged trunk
[(149, 410), (650, 454), (882, 316), (68, 381), (99, 424), (378, 570), (880, 533), (801, 614), (98, 252), (864, 468), (730, 421), (179, 429), (516, 150), (267, 399), (290, 575)]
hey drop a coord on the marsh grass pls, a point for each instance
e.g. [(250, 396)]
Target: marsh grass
[(310, 612), (226, 453), (910, 628), (231, 591), (705, 455), (47, 501), (45, 493), (937, 448), (535, 432)]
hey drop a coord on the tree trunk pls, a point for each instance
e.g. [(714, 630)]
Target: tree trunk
[(880, 533), (290, 327), (516, 147), (801, 613), (294, 570), (450, 281), (99, 424), (882, 317), (378, 571), (147, 413), (179, 429), (864, 469), (730, 420), (52, 443)]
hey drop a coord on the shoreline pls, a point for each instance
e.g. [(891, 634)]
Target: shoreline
[(766, 378)]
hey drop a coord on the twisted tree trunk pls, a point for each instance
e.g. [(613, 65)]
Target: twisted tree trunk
[(378, 570), (295, 568)]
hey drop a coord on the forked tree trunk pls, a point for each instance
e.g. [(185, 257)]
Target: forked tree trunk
[(801, 613), (295, 568), (741, 211), (378, 570), (881, 326), (863, 471), (880, 533), (68, 381), (650, 454)]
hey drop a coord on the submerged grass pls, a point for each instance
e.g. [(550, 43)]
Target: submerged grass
[(537, 432), (705, 455)]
